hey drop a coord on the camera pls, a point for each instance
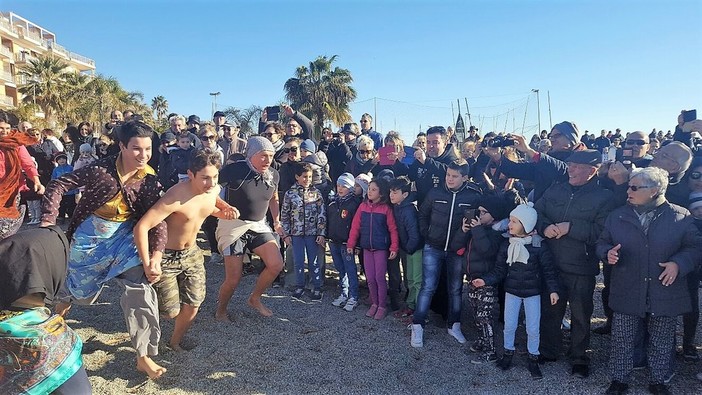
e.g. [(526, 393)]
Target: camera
[(273, 113), (470, 214), (689, 115), (498, 142)]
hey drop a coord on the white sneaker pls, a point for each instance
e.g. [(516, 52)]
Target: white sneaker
[(417, 339), (455, 331), (340, 300), (216, 258), (350, 304)]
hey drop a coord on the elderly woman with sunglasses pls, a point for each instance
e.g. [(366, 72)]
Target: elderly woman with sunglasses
[(366, 157), (651, 245), (675, 158)]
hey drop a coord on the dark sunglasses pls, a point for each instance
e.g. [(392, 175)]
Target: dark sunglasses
[(289, 150), (267, 135), (695, 175), (637, 187), (210, 137), (365, 151), (635, 142)]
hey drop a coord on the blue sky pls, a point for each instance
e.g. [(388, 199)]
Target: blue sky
[(606, 64)]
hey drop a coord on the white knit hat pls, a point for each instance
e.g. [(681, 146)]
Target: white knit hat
[(346, 180), (526, 214), (363, 180)]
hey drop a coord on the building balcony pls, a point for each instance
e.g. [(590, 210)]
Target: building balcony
[(82, 59), (7, 77), (57, 49), (7, 101), (23, 58), (6, 25), (7, 53), (21, 79)]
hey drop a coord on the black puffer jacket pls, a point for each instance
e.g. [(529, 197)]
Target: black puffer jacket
[(407, 219), (481, 244), (441, 214), (339, 154), (586, 208), (525, 279), (340, 214), (427, 176), (672, 237)]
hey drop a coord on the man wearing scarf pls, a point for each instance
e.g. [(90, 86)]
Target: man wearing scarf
[(251, 186)]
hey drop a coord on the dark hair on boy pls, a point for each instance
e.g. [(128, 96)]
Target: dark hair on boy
[(402, 184), (302, 168), (201, 158), (383, 187), (131, 129), (460, 166)]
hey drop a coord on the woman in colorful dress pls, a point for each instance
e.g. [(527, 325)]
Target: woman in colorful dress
[(119, 189)]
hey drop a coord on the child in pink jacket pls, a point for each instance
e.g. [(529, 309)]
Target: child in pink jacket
[(374, 230)]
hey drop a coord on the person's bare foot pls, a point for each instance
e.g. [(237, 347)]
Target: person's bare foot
[(222, 317), (151, 368), (258, 306)]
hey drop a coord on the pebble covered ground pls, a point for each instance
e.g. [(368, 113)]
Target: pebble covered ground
[(316, 348), (309, 347)]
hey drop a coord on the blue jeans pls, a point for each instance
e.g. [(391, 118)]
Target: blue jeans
[(532, 311), (433, 261), (345, 264), (300, 245)]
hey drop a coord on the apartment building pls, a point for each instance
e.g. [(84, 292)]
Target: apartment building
[(20, 42)]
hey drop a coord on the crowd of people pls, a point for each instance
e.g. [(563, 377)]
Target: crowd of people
[(508, 221)]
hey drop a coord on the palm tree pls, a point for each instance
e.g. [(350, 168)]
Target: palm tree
[(45, 83), (321, 92), (246, 118), (159, 105)]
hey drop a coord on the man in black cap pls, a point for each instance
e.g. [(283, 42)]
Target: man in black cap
[(544, 169), (571, 218), (219, 118), (193, 124)]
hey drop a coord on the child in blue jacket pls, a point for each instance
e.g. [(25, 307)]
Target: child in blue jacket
[(411, 241), (340, 213)]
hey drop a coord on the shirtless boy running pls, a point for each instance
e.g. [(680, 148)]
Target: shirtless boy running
[(184, 207)]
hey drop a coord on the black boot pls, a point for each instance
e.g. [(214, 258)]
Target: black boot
[(505, 362), (533, 367)]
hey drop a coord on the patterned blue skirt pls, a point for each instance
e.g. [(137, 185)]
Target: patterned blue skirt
[(100, 251)]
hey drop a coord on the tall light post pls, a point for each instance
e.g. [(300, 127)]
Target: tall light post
[(214, 101), (550, 122), (538, 108)]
